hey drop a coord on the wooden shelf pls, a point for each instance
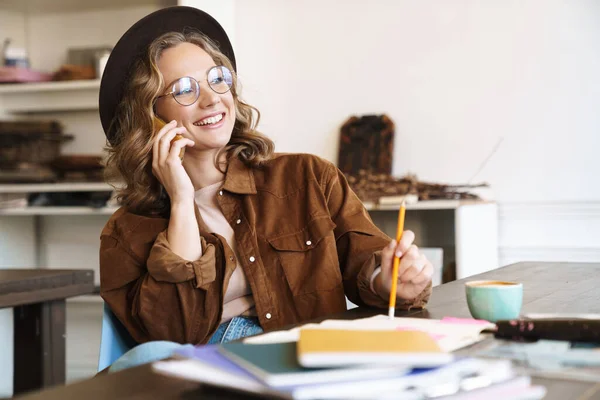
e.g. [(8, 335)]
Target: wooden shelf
[(57, 211), (49, 96), (60, 86), (55, 187)]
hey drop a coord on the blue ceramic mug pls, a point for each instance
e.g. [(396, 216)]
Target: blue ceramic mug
[(494, 300)]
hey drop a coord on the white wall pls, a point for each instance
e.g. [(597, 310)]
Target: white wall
[(221, 10), (52, 34), (12, 25), (456, 77)]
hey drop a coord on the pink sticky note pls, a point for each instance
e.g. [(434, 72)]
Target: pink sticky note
[(464, 321)]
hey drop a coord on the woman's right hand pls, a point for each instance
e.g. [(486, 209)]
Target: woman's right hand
[(167, 166)]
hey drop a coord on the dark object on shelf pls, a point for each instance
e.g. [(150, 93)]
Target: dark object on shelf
[(75, 72), (366, 143), (27, 147), (77, 163), (30, 127), (79, 168), (70, 199), (30, 148), (365, 157), (82, 176), (26, 173), (369, 186)]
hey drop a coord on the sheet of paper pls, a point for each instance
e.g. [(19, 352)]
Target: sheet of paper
[(290, 335), (451, 334)]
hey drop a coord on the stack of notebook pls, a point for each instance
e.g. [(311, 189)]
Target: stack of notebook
[(345, 364), (450, 333)]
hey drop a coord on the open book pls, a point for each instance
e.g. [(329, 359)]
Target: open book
[(449, 333)]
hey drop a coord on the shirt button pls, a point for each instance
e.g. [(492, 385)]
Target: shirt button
[(220, 193), (252, 259), (308, 242), (230, 258), (268, 315), (239, 221)]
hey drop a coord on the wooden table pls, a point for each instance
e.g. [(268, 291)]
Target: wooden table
[(549, 287), (38, 297)]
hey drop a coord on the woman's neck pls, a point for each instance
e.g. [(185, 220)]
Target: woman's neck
[(201, 168)]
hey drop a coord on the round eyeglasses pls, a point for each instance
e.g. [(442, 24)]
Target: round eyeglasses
[(186, 90)]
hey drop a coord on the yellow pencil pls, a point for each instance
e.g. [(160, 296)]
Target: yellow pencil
[(399, 231)]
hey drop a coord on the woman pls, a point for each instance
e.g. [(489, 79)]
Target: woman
[(234, 239)]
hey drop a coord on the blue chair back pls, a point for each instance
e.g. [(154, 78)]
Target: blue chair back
[(115, 340)]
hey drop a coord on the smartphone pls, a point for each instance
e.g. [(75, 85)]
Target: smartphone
[(158, 125)]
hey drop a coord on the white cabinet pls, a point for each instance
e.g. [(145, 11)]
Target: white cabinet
[(466, 231)]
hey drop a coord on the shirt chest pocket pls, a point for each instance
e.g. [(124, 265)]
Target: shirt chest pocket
[(308, 257)]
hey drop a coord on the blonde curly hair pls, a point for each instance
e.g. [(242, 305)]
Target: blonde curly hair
[(130, 155)]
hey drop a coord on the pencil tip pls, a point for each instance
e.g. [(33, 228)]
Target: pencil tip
[(403, 202)]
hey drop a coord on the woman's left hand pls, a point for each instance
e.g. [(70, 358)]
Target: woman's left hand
[(414, 272)]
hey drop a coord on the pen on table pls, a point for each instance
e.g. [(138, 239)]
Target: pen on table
[(399, 230)]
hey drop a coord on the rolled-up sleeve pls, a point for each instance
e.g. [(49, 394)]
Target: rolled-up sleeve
[(166, 266), (359, 243), (159, 298)]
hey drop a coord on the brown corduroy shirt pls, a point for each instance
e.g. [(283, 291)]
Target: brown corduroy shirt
[(303, 237)]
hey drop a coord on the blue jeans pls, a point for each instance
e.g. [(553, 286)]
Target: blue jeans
[(237, 328)]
